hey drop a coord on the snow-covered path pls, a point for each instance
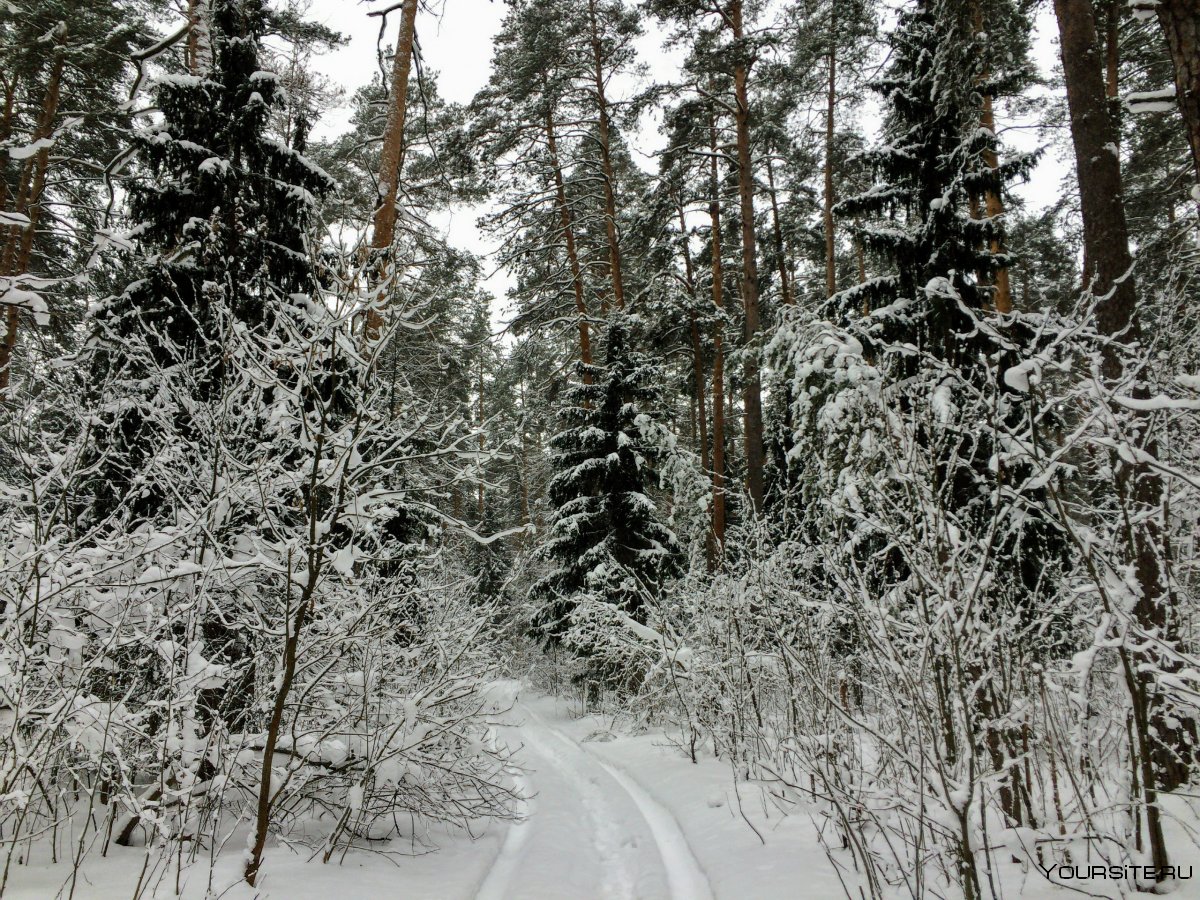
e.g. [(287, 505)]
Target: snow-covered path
[(608, 817), (590, 830)]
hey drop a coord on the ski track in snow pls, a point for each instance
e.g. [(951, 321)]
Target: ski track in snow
[(500, 877), (684, 874), (610, 809)]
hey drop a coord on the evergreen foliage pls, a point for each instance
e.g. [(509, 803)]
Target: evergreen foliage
[(222, 219), (605, 537)]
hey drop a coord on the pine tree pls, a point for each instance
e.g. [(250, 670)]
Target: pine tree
[(605, 538), (63, 61)]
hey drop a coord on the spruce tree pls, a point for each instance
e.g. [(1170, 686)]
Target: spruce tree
[(918, 213), (918, 361), (923, 320), (221, 214), (606, 538)]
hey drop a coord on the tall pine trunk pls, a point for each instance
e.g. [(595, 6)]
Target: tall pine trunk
[(18, 245), (603, 129), (1180, 20), (830, 122), (751, 376), (1162, 744), (698, 379), (993, 202), (785, 287), (198, 50), (568, 229), (391, 161), (718, 374)]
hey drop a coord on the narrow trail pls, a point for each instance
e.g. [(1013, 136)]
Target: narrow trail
[(589, 832)]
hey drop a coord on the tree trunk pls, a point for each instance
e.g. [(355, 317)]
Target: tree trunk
[(785, 288), (564, 217), (266, 799), (752, 379), (830, 121), (1108, 272), (698, 380), (391, 161), (8, 82), (718, 374), (697, 350), (1180, 20), (198, 50), (994, 206), (603, 126), (993, 203), (482, 438), (1107, 259), (1112, 51), (18, 244)]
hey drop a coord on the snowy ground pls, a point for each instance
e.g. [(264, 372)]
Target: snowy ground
[(608, 817)]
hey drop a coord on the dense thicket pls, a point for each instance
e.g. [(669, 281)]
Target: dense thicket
[(807, 428)]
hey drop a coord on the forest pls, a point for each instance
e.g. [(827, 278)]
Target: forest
[(799, 498)]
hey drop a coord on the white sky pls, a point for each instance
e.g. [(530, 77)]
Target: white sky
[(455, 38)]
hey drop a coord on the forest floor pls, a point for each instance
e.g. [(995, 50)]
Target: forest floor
[(609, 816)]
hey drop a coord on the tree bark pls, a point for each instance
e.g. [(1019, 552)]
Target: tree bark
[(718, 374), (197, 51), (568, 228), (603, 129), (1108, 272), (830, 122), (18, 244), (994, 206), (482, 438), (391, 161), (698, 379), (751, 377), (1180, 20), (785, 287), (993, 202), (1107, 259)]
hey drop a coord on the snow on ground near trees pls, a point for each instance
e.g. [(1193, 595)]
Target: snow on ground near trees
[(608, 817)]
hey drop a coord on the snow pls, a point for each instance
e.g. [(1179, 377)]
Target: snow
[(622, 818), (1151, 101), (10, 295), (32, 149)]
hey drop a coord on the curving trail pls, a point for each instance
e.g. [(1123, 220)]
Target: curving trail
[(590, 831)]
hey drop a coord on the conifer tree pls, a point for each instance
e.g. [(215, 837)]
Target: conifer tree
[(925, 336), (222, 217), (606, 539), (62, 63)]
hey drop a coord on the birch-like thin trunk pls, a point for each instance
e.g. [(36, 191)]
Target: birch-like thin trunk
[(785, 287), (718, 373), (698, 379)]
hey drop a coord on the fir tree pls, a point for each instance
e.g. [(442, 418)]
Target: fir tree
[(927, 173), (221, 216), (606, 538), (921, 325)]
